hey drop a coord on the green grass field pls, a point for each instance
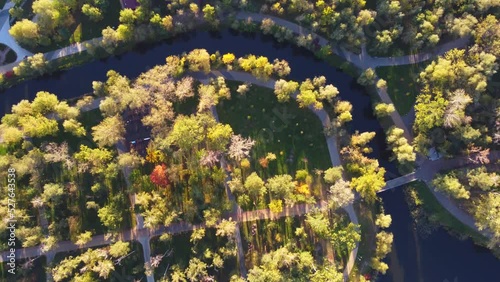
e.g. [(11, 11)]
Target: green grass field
[(438, 214), (402, 84), (293, 134)]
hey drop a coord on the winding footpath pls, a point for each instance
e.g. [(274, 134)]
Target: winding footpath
[(362, 61), (144, 235)]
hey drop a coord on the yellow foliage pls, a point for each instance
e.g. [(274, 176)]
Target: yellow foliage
[(245, 163), (303, 189)]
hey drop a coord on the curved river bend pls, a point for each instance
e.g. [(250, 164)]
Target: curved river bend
[(440, 257)]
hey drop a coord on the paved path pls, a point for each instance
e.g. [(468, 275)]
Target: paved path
[(8, 40), (363, 60), (321, 114), (144, 237)]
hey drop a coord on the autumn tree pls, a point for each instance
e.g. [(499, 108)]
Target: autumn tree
[(159, 176), (284, 89), (199, 60), (109, 132)]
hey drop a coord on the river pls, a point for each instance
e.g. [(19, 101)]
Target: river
[(440, 256)]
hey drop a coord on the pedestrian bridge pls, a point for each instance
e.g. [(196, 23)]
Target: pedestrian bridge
[(397, 182)]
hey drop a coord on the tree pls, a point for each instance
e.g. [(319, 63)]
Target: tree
[(52, 192), (211, 217), (44, 103), (93, 13), (228, 60), (94, 159), (119, 249), (83, 238), (284, 89), (326, 273), (219, 136), (33, 65), (483, 180), (240, 147), (487, 213), (226, 228), (196, 270), (209, 15), (109, 131), (110, 215), (383, 109), (74, 127), (187, 132), (159, 176), (382, 84), (399, 144), (383, 220), (369, 183), (276, 206), (340, 194), (333, 174), (281, 186), (11, 135), (127, 16), (281, 68), (199, 60), (254, 186), (38, 126), (26, 32), (367, 77), (318, 223), (450, 184), (343, 110)]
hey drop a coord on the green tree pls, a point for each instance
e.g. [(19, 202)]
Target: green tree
[(284, 89), (382, 109), (403, 152), (367, 77), (450, 184), (333, 174), (109, 131), (281, 186), (26, 32), (74, 127), (487, 214), (110, 215), (92, 12), (254, 186)]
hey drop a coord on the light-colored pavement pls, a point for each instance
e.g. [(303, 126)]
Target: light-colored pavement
[(362, 61), (8, 40)]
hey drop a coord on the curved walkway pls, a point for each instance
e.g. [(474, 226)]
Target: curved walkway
[(143, 235), (363, 60), (8, 40)]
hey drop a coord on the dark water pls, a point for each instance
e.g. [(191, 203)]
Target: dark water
[(440, 256)]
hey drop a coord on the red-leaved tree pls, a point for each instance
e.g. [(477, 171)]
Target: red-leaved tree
[(159, 175)]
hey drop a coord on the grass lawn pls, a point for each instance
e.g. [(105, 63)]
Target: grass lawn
[(10, 57), (440, 215), (295, 135), (366, 214), (34, 273), (131, 267), (401, 84)]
